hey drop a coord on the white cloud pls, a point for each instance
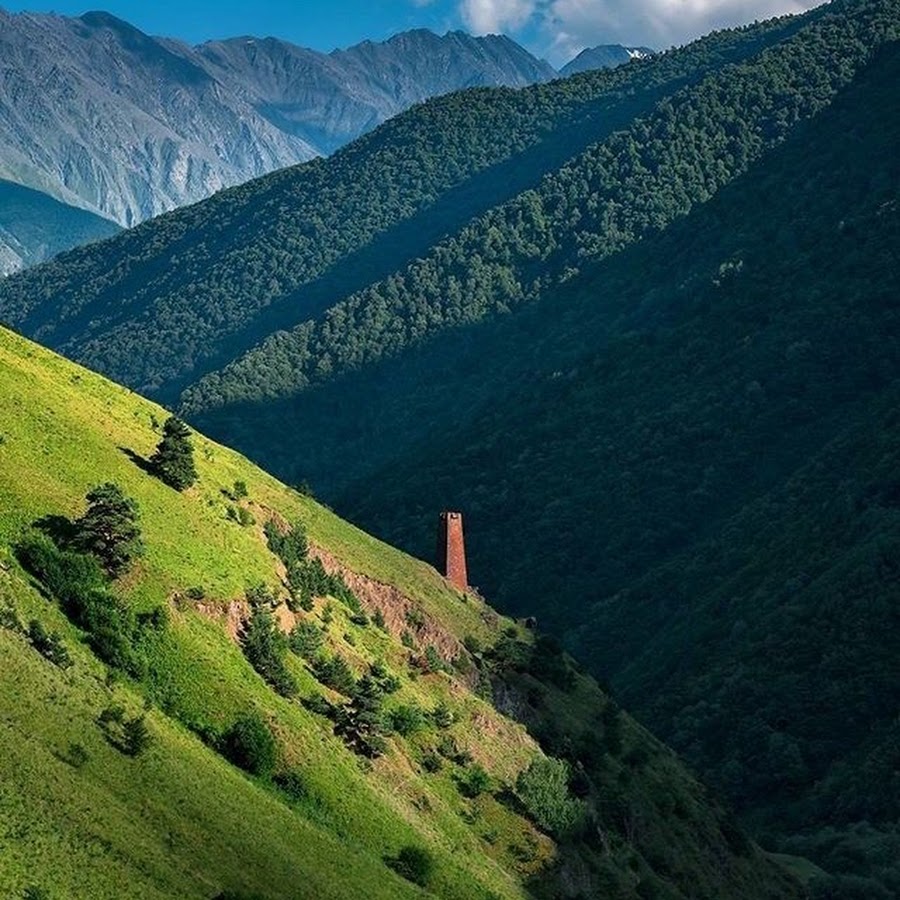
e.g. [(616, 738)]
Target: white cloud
[(573, 24), (494, 16)]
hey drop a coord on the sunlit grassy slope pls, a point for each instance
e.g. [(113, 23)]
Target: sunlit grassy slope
[(80, 819), (64, 430)]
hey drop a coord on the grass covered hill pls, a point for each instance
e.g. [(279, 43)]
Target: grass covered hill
[(268, 702), (187, 293)]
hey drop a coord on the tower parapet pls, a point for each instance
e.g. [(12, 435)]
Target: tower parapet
[(451, 550)]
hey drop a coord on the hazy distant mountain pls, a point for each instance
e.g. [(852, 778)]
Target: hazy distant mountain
[(35, 227), (606, 56), (101, 116), (328, 100)]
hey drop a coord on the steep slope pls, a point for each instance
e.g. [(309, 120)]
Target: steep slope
[(104, 117), (618, 191), (35, 227), (606, 56), (95, 804), (197, 291), (698, 468)]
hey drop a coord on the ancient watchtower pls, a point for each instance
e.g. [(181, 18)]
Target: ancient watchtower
[(451, 549)]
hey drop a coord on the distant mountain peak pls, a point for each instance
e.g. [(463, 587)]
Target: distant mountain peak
[(142, 124), (604, 56), (101, 19)]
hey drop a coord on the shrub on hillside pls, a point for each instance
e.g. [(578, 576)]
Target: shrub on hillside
[(433, 661), (415, 864), (109, 529), (333, 672), (65, 574), (116, 635), (241, 515), (362, 722), (474, 782), (544, 790), (129, 735), (442, 715), (173, 460), (35, 893), (49, 644), (250, 745), (306, 639), (135, 736), (292, 784), (407, 719), (290, 546), (265, 647)]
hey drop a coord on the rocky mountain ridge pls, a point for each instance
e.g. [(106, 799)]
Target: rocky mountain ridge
[(101, 116)]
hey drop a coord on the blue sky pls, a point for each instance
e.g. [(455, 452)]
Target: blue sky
[(556, 29)]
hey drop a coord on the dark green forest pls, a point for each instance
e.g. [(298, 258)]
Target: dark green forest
[(695, 481), (635, 181), (189, 291)]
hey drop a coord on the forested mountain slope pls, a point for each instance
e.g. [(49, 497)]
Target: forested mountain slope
[(618, 191), (699, 468), (191, 290), (161, 735)]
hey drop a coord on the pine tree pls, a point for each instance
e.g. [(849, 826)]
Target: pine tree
[(108, 530), (361, 723), (265, 646), (135, 736), (173, 461)]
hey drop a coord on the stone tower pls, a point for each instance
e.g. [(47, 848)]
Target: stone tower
[(451, 550)]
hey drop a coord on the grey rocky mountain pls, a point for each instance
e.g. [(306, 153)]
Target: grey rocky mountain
[(328, 100), (101, 116), (606, 56)]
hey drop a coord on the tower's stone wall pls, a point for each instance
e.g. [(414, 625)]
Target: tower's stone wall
[(451, 549)]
